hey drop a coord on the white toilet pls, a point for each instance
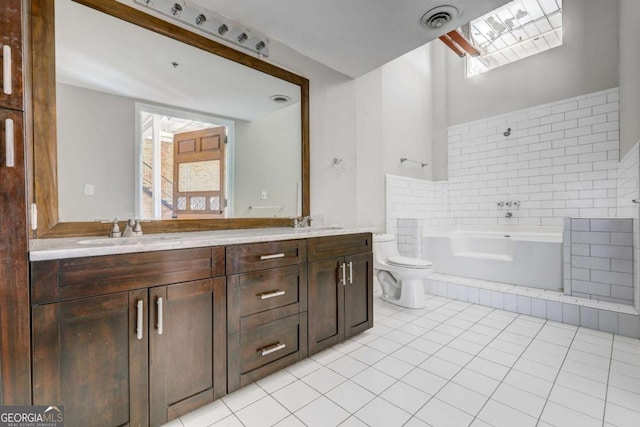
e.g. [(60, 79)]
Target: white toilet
[(401, 278)]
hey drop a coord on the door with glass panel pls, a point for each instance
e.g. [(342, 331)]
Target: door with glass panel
[(199, 172)]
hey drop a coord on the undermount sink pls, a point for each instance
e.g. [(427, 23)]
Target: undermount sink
[(115, 241), (312, 229)]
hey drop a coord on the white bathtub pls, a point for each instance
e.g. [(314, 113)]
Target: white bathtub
[(530, 256)]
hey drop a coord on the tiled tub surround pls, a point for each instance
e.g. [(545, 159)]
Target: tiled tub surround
[(560, 159), (545, 304), (598, 259), (453, 363)]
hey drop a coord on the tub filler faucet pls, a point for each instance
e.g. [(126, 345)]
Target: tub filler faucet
[(508, 215)]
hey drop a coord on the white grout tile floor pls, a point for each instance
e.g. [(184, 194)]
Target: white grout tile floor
[(450, 364)]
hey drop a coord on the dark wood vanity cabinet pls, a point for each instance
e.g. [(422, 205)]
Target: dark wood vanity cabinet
[(134, 357), (88, 357), (340, 286), (187, 347), (267, 305), (141, 339)]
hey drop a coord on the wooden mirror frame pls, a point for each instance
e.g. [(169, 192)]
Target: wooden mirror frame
[(44, 190)]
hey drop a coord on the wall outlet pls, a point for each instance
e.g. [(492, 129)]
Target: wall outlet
[(88, 189), (263, 195)]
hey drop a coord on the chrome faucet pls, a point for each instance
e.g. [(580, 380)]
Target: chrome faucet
[(508, 215), (132, 229), (114, 231), (301, 221)]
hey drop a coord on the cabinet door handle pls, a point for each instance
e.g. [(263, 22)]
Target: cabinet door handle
[(6, 70), (160, 318), (344, 274), (271, 348), (271, 294), (9, 143), (139, 324), (351, 272), (274, 256)]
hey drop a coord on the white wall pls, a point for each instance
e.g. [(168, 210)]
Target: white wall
[(95, 134), (587, 62), (267, 158), (332, 133), (629, 75)]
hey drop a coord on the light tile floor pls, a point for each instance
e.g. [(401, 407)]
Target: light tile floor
[(451, 364)]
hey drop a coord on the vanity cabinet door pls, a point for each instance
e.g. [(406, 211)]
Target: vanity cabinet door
[(358, 299), (90, 355), (340, 288), (188, 347), (325, 304), (11, 54)]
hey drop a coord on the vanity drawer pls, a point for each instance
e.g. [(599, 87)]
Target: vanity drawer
[(265, 349), (337, 246), (262, 296), (262, 256), (65, 279)]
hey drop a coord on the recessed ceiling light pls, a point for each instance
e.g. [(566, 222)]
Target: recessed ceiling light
[(280, 99)]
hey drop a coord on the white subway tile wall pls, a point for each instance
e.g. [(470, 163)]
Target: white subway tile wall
[(559, 160), (598, 259)]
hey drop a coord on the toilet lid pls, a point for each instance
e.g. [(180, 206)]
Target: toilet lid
[(403, 261)]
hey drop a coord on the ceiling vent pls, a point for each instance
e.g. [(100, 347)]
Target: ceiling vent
[(439, 16)]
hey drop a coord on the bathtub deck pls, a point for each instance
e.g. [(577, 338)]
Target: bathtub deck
[(546, 304)]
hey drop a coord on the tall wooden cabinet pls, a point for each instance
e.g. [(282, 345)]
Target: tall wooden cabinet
[(340, 286), (14, 288)]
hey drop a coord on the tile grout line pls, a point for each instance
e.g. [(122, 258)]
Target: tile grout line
[(465, 365), (606, 391), (556, 378), (505, 376)]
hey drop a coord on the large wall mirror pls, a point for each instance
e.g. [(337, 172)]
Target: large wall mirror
[(135, 117)]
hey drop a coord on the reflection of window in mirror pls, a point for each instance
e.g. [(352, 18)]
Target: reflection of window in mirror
[(184, 164)]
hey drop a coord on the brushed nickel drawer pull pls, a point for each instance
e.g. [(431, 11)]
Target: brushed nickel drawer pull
[(344, 274), (271, 348), (274, 256), (139, 320), (271, 294), (6, 70), (160, 319), (351, 272), (9, 143)]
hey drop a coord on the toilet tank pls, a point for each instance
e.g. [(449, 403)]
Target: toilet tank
[(384, 246)]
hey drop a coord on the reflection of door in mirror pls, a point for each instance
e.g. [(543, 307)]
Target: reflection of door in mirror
[(199, 173)]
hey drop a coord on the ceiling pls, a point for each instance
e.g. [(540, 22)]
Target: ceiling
[(353, 36), (97, 52)]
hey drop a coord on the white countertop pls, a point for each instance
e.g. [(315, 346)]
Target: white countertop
[(75, 247)]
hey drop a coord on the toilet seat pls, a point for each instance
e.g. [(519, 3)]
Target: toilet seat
[(403, 261)]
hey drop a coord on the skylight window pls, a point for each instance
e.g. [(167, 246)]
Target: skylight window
[(515, 31)]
